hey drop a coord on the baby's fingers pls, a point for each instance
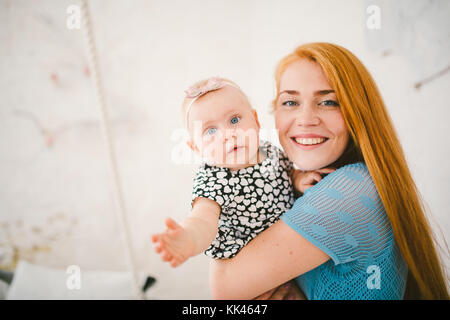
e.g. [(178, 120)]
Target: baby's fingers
[(166, 256), (265, 295), (158, 247), (159, 242), (174, 262), (312, 178), (171, 224), (158, 238), (155, 238), (325, 170)]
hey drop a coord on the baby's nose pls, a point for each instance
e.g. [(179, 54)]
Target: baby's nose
[(230, 133)]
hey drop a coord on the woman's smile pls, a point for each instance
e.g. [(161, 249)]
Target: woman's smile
[(308, 141)]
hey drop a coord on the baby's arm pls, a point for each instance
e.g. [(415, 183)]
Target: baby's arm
[(193, 236)]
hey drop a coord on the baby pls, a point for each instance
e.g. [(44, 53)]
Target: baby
[(243, 185)]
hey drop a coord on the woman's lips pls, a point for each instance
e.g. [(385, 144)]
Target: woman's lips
[(309, 141)]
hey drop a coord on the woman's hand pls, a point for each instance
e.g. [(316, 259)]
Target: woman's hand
[(287, 291)]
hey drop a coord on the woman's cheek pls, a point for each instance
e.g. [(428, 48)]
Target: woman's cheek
[(282, 119), (282, 125), (341, 131)]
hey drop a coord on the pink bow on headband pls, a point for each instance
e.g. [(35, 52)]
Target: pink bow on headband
[(212, 84)]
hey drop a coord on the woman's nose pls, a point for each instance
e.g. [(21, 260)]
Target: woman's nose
[(307, 116)]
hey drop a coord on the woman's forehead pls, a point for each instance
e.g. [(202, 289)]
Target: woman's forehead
[(304, 75)]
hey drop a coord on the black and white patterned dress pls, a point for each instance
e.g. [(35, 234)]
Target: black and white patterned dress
[(251, 199)]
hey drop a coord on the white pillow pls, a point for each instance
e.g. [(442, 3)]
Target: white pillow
[(3, 290), (33, 282)]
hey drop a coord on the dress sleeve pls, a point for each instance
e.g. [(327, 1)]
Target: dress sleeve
[(342, 215), (212, 183)]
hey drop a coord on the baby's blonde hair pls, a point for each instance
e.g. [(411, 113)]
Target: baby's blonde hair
[(187, 101)]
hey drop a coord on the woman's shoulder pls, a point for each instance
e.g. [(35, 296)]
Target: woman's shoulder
[(357, 170), (355, 174), (351, 183), (340, 213)]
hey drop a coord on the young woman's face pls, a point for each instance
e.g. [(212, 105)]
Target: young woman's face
[(225, 128), (310, 124)]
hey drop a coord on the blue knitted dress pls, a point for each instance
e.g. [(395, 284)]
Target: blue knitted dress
[(343, 216)]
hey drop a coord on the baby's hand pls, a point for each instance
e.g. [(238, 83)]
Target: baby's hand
[(304, 180), (175, 245)]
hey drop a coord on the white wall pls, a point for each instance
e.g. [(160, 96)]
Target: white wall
[(56, 201)]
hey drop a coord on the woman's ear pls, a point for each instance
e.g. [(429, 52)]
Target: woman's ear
[(256, 118)]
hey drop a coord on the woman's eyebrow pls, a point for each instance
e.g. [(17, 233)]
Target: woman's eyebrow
[(316, 93), (293, 92), (323, 92)]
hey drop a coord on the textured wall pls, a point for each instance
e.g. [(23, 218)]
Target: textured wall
[(56, 200)]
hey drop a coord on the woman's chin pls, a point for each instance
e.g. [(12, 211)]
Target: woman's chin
[(312, 164)]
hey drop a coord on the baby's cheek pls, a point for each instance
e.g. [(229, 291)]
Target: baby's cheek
[(214, 152)]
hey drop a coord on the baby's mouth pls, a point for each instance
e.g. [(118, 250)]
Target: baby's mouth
[(235, 148)]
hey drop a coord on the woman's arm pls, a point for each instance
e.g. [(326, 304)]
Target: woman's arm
[(274, 257)]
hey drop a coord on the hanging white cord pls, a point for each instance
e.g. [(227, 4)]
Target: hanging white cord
[(106, 130)]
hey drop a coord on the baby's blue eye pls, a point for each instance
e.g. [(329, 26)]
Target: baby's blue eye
[(235, 120), (211, 131)]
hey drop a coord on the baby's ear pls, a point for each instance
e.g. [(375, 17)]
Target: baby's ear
[(256, 117), (192, 146)]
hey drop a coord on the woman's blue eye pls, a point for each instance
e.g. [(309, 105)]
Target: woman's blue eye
[(289, 103), (235, 120), (329, 103), (211, 131)]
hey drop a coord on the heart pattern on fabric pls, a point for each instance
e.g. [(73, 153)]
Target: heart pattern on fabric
[(251, 199)]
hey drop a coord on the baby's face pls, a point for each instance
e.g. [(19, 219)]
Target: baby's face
[(224, 129)]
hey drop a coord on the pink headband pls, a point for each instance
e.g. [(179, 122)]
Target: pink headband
[(194, 92)]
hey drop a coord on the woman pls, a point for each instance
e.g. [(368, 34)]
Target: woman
[(360, 233)]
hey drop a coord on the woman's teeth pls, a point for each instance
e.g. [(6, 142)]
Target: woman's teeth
[(309, 141)]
